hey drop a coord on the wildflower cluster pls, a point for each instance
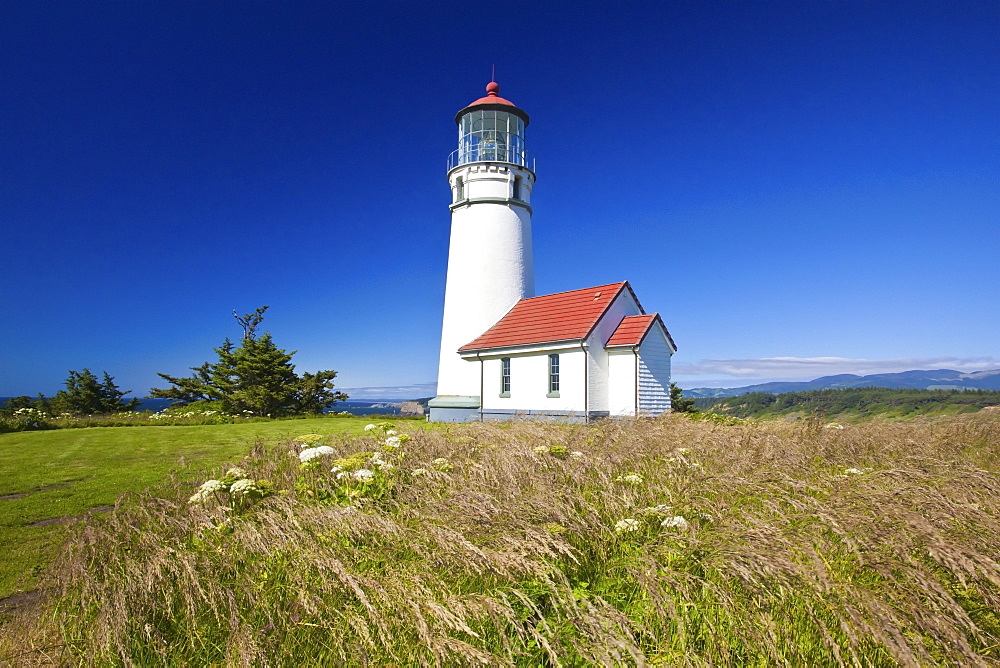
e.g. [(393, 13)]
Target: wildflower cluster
[(193, 414), (29, 414), (361, 476), (310, 457), (660, 516), (627, 525), (24, 419), (244, 487), (208, 489), (389, 438), (234, 492)]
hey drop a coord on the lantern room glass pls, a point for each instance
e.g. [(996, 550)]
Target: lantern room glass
[(491, 136)]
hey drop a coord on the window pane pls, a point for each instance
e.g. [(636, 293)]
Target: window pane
[(505, 374), (553, 373)]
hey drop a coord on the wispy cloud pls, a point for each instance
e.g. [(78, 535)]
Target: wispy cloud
[(807, 368)]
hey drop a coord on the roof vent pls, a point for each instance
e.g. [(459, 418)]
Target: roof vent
[(597, 296)]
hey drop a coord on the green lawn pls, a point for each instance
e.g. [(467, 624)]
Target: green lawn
[(67, 472)]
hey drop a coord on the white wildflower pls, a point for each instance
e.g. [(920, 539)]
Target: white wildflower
[(236, 472), (212, 486), (243, 487), (683, 451), (630, 479), (364, 475), (442, 464), (310, 454), (393, 442), (542, 449), (677, 521), (380, 463), (343, 475), (576, 453), (627, 525), (207, 489), (391, 432), (370, 427), (853, 471), (418, 472)]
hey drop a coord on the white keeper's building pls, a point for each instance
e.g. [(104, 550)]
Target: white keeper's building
[(571, 356)]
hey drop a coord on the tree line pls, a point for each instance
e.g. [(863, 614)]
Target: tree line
[(861, 401), (255, 378)]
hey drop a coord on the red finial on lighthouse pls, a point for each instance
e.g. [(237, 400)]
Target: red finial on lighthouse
[(493, 99)]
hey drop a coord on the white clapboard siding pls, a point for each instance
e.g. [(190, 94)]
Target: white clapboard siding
[(654, 373)]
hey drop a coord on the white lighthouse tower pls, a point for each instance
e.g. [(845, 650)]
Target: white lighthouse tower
[(489, 257)]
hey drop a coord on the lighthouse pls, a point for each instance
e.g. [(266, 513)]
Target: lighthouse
[(489, 256), (506, 354)]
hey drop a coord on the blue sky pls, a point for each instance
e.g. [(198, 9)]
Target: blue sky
[(800, 188)]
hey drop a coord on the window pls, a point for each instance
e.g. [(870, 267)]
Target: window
[(505, 377), (459, 189), (515, 192), (553, 376)]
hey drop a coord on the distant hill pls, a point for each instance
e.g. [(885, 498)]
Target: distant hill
[(938, 379)]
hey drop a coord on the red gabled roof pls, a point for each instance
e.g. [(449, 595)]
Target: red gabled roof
[(633, 329), (564, 316)]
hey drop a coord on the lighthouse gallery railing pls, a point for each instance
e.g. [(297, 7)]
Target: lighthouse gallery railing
[(491, 153)]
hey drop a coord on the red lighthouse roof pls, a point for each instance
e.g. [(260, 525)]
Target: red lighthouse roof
[(495, 102)]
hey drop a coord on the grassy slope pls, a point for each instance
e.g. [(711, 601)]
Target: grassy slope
[(509, 554), (86, 468)]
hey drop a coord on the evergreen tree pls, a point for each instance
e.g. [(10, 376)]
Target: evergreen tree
[(258, 378), (678, 404), (86, 395), (315, 392), (255, 377), (198, 387)]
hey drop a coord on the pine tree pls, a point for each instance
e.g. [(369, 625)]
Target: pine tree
[(255, 377), (678, 404), (85, 395), (260, 378)]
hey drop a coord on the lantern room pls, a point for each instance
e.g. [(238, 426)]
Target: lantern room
[(491, 129)]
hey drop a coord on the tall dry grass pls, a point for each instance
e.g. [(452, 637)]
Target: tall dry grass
[(512, 557)]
